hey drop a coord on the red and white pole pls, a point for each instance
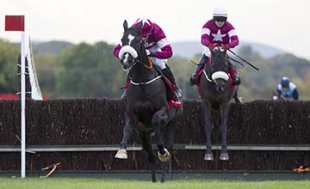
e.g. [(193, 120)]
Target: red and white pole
[(16, 23)]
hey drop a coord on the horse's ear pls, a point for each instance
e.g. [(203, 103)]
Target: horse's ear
[(125, 25)]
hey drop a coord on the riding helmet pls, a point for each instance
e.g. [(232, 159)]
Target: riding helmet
[(147, 26), (285, 81), (219, 13)]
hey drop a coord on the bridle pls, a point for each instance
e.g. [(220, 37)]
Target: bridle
[(215, 75), (128, 50)]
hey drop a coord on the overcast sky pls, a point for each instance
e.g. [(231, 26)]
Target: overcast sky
[(283, 24)]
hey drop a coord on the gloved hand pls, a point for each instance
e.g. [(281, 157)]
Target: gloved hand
[(212, 45), (226, 46)]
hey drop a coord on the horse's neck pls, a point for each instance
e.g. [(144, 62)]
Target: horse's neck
[(141, 72), (216, 66), (207, 69)]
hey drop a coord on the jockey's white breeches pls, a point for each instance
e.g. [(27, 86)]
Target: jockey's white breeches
[(206, 52), (161, 63)]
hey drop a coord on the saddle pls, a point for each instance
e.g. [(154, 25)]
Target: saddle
[(171, 88), (171, 91)]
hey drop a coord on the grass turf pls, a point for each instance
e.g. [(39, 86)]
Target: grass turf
[(89, 183)]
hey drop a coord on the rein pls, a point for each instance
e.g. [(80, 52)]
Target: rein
[(149, 64), (211, 80), (207, 77), (204, 71)]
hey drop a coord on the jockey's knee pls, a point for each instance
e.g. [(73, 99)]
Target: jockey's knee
[(161, 63), (236, 79)]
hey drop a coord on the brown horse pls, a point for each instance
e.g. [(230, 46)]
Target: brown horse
[(216, 91), (147, 107)]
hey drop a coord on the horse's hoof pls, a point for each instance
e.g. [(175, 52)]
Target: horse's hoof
[(209, 157), (224, 156), (164, 157), (121, 154)]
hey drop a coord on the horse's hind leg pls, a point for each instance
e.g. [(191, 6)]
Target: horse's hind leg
[(159, 121), (168, 143), (147, 147)]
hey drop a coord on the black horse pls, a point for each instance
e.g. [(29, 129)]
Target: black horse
[(216, 91), (146, 102)]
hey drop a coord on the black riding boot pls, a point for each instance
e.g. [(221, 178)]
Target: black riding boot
[(193, 79), (235, 78), (167, 71)]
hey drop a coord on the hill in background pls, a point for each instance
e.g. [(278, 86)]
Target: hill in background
[(181, 49), (272, 62), (54, 47), (191, 48)]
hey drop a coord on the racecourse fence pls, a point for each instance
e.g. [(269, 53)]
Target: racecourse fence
[(84, 134)]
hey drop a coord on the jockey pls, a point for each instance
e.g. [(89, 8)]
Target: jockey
[(158, 49), (287, 89), (217, 32)]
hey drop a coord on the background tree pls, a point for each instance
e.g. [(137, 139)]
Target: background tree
[(8, 67), (89, 71), (67, 70)]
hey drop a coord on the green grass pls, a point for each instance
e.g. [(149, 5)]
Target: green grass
[(87, 183)]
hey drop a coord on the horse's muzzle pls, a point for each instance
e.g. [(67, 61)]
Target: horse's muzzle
[(127, 61), (220, 85)]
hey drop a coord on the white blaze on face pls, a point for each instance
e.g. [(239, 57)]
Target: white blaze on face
[(130, 38), (126, 58)]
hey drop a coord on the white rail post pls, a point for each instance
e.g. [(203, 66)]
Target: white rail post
[(23, 107), (16, 23)]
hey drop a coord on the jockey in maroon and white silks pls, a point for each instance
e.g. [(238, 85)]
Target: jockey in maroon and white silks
[(156, 43), (157, 46), (225, 35), (217, 32)]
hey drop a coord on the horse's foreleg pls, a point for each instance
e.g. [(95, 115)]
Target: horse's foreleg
[(224, 116), (208, 132), (127, 131), (165, 168), (159, 122)]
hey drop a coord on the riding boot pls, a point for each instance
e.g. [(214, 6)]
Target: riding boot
[(193, 79), (178, 92), (233, 74), (124, 95)]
